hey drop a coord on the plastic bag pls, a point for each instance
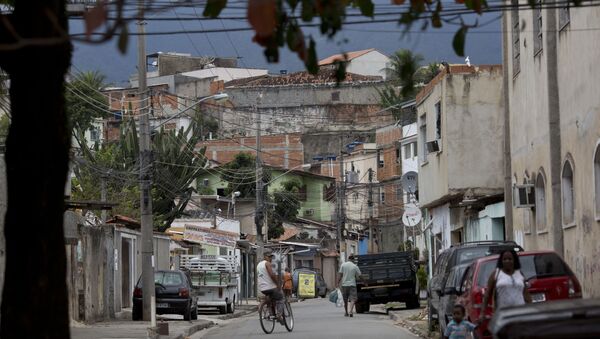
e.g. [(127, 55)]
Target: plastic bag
[(333, 296), (340, 298)]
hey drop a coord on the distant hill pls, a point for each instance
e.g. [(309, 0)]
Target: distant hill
[(483, 45)]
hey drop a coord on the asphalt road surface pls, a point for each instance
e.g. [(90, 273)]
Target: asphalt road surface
[(317, 318)]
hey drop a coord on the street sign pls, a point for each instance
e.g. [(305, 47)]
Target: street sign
[(412, 215), (409, 181)]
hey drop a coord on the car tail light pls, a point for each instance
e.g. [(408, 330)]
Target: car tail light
[(220, 292), (184, 292), (137, 292), (574, 288)]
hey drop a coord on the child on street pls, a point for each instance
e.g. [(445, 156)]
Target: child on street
[(458, 328)]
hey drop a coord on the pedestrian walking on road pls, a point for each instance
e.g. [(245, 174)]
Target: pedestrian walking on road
[(506, 284), (458, 328), (347, 276), (287, 283)]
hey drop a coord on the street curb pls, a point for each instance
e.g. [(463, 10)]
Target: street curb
[(195, 328), (396, 318), (236, 315)]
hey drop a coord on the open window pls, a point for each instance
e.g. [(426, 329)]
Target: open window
[(568, 196), (524, 195)]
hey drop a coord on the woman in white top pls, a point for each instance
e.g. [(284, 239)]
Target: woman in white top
[(506, 283)]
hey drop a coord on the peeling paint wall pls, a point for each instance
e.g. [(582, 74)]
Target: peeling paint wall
[(579, 128)]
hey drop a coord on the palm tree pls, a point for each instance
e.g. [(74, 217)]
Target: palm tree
[(404, 65), (84, 101), (406, 77)]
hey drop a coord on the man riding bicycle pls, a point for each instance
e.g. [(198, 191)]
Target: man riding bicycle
[(267, 282)]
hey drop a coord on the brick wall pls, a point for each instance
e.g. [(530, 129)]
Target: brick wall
[(282, 150)]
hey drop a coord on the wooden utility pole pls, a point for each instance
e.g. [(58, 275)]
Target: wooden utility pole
[(148, 295)]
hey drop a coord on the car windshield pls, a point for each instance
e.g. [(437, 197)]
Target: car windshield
[(167, 278), (543, 266)]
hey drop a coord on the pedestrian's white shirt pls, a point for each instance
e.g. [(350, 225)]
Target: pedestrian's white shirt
[(265, 282), (509, 289)]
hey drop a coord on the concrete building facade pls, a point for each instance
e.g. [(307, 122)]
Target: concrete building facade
[(554, 139), (365, 62), (460, 133), (390, 205)]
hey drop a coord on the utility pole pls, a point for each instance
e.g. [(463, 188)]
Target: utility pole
[(259, 213), (340, 201), (103, 197), (148, 296), (370, 204)]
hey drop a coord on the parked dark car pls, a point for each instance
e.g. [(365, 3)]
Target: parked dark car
[(174, 295), (320, 285), (450, 294), (561, 319), (548, 278), (459, 254)]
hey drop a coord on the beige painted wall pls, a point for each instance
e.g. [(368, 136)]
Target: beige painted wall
[(579, 105), (471, 135)]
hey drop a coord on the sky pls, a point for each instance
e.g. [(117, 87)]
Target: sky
[(483, 45)]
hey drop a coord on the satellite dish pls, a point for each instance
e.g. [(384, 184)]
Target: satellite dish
[(409, 181), (412, 215)]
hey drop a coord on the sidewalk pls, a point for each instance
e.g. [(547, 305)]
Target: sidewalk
[(124, 327), (414, 320)]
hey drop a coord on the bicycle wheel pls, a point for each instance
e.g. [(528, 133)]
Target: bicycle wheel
[(288, 316), (267, 322)]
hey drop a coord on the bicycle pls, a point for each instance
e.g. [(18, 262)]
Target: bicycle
[(268, 315)]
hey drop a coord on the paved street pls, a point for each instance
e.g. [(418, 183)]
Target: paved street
[(316, 318)]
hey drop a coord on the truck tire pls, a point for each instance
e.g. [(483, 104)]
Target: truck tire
[(413, 303), (362, 307), (231, 306), (222, 309)]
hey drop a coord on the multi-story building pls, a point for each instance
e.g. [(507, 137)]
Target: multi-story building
[(390, 205), (553, 111), (460, 128), (361, 196), (366, 62)]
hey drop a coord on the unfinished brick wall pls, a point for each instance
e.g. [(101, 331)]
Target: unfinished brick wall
[(282, 150)]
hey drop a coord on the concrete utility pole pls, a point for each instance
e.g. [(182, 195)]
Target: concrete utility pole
[(259, 213), (370, 205), (103, 197), (148, 296), (340, 200)]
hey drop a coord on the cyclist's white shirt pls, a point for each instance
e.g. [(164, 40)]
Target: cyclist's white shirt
[(265, 282)]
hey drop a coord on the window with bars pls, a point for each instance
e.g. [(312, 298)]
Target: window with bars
[(516, 37), (538, 33)]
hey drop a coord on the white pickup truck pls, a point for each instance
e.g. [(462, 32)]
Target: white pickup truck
[(214, 280)]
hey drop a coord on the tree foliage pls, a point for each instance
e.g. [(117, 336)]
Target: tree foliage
[(240, 174), (84, 101), (175, 169), (286, 207), (407, 76)]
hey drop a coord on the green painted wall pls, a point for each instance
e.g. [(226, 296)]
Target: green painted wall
[(314, 195), (314, 191)]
